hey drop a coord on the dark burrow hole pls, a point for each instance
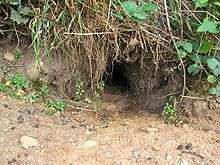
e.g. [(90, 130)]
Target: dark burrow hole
[(116, 79)]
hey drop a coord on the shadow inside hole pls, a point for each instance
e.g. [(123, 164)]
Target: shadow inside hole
[(115, 79)]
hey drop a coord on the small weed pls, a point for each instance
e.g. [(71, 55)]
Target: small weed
[(170, 111), (79, 88), (43, 91), (3, 87), (17, 54), (58, 105), (19, 81), (32, 97)]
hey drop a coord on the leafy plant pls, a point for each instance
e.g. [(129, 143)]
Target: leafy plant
[(58, 105), (170, 111), (3, 87), (79, 87), (17, 54), (209, 26), (19, 81), (136, 11)]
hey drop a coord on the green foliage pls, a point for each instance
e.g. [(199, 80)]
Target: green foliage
[(79, 87), (138, 12), (17, 54), (18, 13), (19, 81), (215, 90), (184, 47), (194, 69), (212, 79), (209, 26), (201, 3), (170, 111), (3, 87), (58, 105)]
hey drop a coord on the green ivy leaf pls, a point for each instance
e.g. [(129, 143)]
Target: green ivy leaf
[(25, 10), (185, 45), (188, 47), (16, 17), (130, 7), (205, 47), (181, 54), (150, 7), (212, 63), (140, 15), (193, 69), (14, 2), (201, 3), (212, 79), (215, 90), (208, 26), (217, 4), (196, 58), (212, 91)]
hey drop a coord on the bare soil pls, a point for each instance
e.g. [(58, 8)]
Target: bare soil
[(121, 133), (120, 136)]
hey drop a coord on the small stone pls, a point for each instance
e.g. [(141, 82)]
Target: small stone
[(88, 144), (35, 123), (136, 154), (9, 57), (11, 161), (20, 119), (13, 128), (188, 146), (27, 142), (64, 120), (152, 130), (30, 110), (111, 107), (73, 126), (183, 162), (180, 147)]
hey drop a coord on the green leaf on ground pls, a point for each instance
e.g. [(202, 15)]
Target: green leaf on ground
[(212, 79), (201, 3), (193, 69), (208, 25)]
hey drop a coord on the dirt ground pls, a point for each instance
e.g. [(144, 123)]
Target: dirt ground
[(116, 135), (119, 134)]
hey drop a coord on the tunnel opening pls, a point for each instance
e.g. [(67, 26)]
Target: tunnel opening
[(116, 79)]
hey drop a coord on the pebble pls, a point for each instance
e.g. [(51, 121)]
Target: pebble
[(27, 142), (35, 122), (188, 146), (136, 154), (30, 110), (111, 107), (182, 162), (12, 161), (9, 57), (20, 119), (88, 144)]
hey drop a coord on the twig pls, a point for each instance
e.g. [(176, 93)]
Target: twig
[(171, 34), (196, 98), (87, 34)]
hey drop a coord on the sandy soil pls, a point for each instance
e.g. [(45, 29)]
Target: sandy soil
[(119, 136)]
